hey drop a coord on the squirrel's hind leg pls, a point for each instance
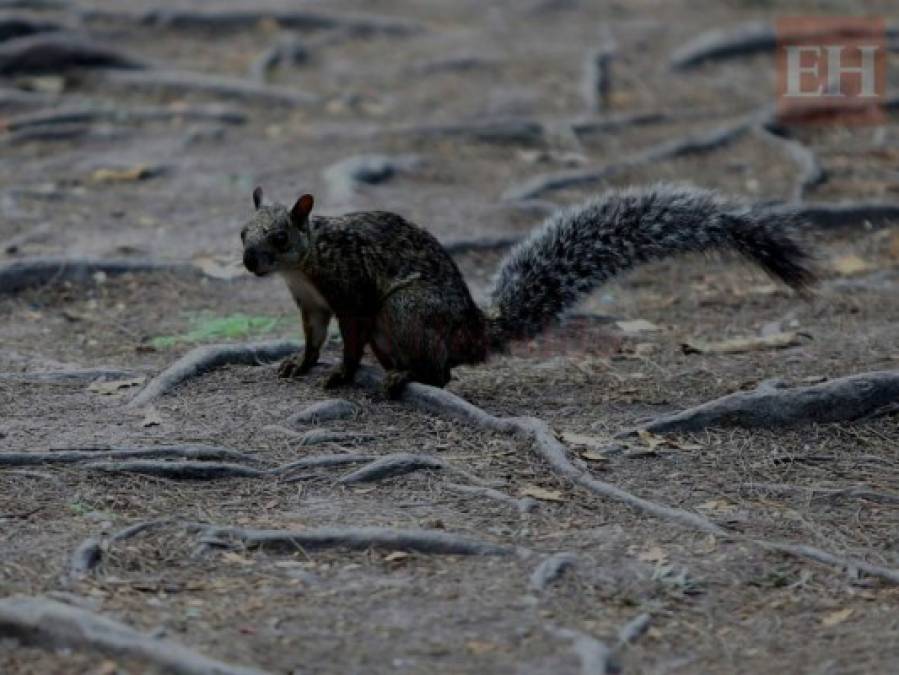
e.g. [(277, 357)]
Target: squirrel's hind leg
[(356, 332), (315, 330)]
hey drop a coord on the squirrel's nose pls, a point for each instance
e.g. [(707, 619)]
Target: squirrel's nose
[(250, 261)]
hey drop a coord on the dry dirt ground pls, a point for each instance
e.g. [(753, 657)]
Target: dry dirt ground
[(714, 604)]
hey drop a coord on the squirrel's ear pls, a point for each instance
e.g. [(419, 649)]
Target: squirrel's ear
[(257, 196), (302, 208)]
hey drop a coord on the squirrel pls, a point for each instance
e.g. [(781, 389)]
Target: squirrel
[(393, 286)]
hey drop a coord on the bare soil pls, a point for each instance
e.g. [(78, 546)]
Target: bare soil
[(715, 605)]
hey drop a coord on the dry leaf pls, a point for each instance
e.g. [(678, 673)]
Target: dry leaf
[(637, 326), (110, 387), (848, 265), (721, 505), (838, 617), (582, 439), (593, 456), (656, 554), (480, 647), (218, 267), (151, 418), (122, 175), (741, 345), (652, 441), (236, 559), (396, 556), (541, 493)]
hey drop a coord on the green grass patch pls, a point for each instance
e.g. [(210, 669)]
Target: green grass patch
[(206, 328)]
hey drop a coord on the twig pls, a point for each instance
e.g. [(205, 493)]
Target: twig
[(597, 80), (213, 85), (69, 456), (858, 492), (357, 538), (19, 275), (37, 621), (203, 359), (551, 569), (399, 464), (55, 52), (179, 470), (524, 504), (840, 400)]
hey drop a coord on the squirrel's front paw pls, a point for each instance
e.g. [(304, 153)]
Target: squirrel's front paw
[(294, 366)]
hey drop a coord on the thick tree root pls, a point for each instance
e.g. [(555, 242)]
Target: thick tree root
[(524, 504), (56, 52), (230, 88), (401, 463), (543, 184), (12, 27), (203, 359), (596, 657), (94, 114), (19, 275), (37, 621), (551, 569), (179, 470), (71, 456), (344, 178), (842, 400), (358, 538), (463, 246), (844, 214)]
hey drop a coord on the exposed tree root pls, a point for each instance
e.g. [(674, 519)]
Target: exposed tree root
[(811, 173), (524, 504), (287, 49), (203, 359), (324, 411), (551, 569), (746, 39), (246, 19), (93, 114), (12, 27), (70, 456), (319, 436), (596, 657), (345, 177), (56, 52), (80, 376), (182, 82), (322, 461), (464, 246), (179, 470), (841, 400), (501, 131), (401, 463), (845, 214), (856, 492), (543, 184), (90, 552), (357, 538), (19, 275), (37, 621)]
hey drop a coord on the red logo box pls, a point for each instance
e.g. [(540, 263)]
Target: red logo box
[(831, 70)]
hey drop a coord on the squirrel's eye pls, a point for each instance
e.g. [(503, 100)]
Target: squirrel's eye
[(278, 239)]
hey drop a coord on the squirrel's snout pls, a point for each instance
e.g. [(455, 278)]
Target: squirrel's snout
[(255, 262)]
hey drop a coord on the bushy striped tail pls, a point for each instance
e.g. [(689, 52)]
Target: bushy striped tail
[(580, 247)]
